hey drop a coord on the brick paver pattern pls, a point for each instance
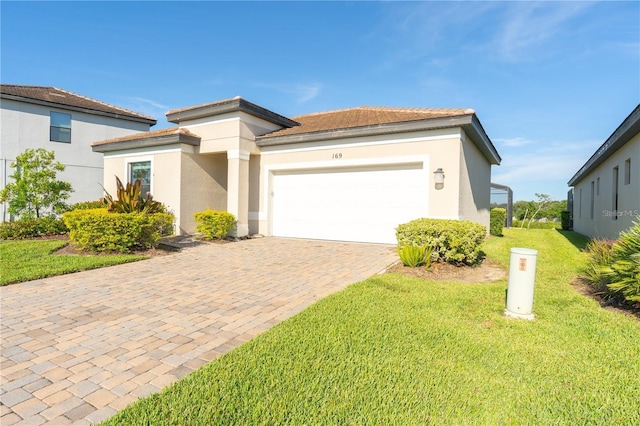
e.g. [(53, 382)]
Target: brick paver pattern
[(77, 348)]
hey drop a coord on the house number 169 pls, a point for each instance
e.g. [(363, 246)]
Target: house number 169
[(336, 155)]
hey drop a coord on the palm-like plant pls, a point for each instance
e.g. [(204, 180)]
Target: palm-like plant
[(623, 275), (130, 199)]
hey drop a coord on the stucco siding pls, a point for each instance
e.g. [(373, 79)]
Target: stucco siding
[(204, 183), (475, 184), (229, 131), (594, 214)]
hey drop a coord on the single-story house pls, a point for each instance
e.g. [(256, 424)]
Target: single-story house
[(66, 123), (606, 189), (351, 174)]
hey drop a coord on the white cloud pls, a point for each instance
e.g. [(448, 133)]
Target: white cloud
[(552, 164), (531, 26), (148, 103), (512, 142), (302, 92)]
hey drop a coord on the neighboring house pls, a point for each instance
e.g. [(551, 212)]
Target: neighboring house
[(351, 174), (66, 123), (606, 189)]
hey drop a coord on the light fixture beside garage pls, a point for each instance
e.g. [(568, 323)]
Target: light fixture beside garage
[(438, 178)]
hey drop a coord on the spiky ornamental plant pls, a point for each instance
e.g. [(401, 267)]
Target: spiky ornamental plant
[(623, 275), (130, 199)]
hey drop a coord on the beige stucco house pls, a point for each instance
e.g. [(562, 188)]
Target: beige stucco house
[(606, 189), (351, 174)]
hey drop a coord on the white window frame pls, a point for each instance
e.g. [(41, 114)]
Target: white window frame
[(127, 167)]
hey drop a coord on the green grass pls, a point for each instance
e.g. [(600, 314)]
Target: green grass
[(29, 260), (405, 351)]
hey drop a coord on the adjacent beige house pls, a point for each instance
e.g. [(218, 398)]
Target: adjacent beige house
[(606, 189), (350, 175)]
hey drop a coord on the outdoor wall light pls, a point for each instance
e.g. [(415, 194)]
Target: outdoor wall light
[(438, 178)]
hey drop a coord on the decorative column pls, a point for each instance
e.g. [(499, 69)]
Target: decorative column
[(238, 188)]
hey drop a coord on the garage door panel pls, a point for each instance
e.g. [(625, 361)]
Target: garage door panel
[(363, 204)]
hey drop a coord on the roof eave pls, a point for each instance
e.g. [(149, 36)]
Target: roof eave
[(149, 121), (231, 105), (155, 141), (469, 122), (623, 134), (482, 141)]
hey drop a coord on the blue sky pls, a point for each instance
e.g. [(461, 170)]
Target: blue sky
[(550, 81)]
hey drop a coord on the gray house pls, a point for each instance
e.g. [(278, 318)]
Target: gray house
[(66, 123), (606, 189)]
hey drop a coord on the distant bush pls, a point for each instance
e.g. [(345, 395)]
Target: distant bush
[(32, 228), (565, 220), (100, 231), (497, 221), (535, 225), (453, 241), (214, 224)]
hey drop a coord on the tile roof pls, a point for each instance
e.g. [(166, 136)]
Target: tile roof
[(53, 95), (362, 117), (171, 131)]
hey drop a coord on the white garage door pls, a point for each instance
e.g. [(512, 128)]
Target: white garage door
[(356, 204)]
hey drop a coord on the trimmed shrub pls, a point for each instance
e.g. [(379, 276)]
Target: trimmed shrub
[(100, 231), (213, 224), (32, 228), (453, 241), (497, 221), (414, 256), (565, 220)]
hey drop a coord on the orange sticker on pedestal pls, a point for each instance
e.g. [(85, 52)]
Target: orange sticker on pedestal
[(523, 264)]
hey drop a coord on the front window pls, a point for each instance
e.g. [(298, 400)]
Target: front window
[(60, 128), (141, 170)]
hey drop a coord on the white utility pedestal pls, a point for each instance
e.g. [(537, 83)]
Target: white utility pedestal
[(522, 277)]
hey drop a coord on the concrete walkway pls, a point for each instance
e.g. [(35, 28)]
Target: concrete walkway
[(77, 348)]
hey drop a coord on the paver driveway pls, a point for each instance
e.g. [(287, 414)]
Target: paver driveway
[(77, 348)]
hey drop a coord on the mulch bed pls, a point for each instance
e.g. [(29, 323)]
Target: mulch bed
[(487, 271)]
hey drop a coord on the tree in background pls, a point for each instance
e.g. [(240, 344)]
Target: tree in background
[(551, 210), (35, 191)]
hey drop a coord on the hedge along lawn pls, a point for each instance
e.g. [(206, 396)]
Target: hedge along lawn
[(405, 351), (33, 259)]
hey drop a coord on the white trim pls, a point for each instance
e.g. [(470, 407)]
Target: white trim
[(233, 154), (151, 151), (277, 149), (269, 170)]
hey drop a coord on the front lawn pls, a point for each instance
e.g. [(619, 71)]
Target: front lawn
[(406, 351), (33, 259)]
